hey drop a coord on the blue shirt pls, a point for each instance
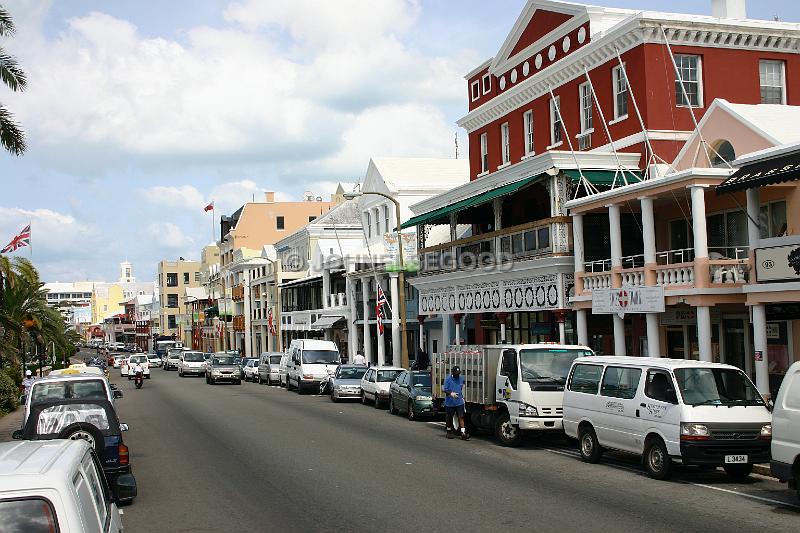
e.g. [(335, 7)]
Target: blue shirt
[(452, 384)]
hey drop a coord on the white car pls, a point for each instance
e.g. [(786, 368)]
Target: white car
[(48, 485), (375, 384), (192, 363), (154, 360), (785, 461), (127, 365), (250, 370), (118, 359)]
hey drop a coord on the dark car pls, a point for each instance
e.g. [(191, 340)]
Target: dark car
[(411, 393), (93, 420), (223, 367)]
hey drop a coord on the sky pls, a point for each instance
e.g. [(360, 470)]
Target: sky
[(140, 113)]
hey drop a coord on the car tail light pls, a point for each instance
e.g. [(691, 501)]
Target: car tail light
[(123, 454)]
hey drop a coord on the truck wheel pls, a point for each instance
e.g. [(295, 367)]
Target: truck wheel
[(656, 460), (589, 446), (738, 472), (507, 433)]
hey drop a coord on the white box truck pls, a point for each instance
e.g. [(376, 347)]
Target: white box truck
[(509, 388)]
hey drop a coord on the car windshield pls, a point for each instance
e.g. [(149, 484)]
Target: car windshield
[(328, 357), (547, 368), (225, 360), (138, 359), (716, 386), (351, 373), (274, 359), (388, 375), (193, 357), (64, 390), (421, 380)]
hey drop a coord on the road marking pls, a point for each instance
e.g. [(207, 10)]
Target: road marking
[(736, 492)]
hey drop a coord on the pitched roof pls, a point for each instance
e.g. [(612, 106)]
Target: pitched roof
[(777, 123), (346, 213), (421, 173)]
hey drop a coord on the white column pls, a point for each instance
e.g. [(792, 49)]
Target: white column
[(577, 240), (422, 336), (326, 288), (248, 312), (365, 326), (352, 331), (562, 333), (619, 336), (648, 231), (615, 231), (381, 345), (583, 330), (760, 345), (395, 303), (699, 220), (458, 331), (653, 338), (704, 332), (445, 331), (503, 331)]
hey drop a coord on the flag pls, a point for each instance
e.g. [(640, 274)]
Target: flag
[(209, 207), (379, 318), (379, 303), (23, 238), (271, 324)]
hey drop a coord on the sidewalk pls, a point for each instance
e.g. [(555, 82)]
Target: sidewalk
[(10, 423)]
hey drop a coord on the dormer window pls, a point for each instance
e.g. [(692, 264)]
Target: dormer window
[(486, 81), (475, 90)]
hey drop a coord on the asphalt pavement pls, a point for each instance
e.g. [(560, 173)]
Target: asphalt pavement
[(258, 458)]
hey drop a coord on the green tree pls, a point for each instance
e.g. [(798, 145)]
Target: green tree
[(11, 135)]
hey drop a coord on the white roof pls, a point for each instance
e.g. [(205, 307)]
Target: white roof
[(420, 173), (661, 362), (34, 464), (777, 123)]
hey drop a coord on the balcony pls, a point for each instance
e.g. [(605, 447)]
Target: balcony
[(338, 299), (238, 323), (237, 293)]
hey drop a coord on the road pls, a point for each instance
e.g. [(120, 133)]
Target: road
[(257, 458)]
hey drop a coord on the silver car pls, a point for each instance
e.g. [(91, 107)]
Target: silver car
[(269, 368), (346, 383), (223, 367)]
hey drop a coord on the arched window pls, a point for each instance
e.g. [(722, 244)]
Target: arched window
[(725, 154)]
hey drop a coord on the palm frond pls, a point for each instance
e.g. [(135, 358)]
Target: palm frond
[(12, 138), (6, 23), (10, 72)]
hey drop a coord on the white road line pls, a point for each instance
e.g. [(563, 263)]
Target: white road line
[(745, 495)]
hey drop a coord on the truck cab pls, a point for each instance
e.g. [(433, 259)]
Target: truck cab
[(511, 388)]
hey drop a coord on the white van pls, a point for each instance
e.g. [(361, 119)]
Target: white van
[(310, 362), (698, 413), (785, 462)]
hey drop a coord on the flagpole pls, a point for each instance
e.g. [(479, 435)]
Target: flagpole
[(30, 238)]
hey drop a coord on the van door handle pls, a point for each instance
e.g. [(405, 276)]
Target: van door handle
[(637, 413), (642, 405)]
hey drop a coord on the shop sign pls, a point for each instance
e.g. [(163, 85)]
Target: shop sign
[(392, 247), (685, 316), (778, 263), (628, 300), (773, 330), (533, 293), (301, 319)]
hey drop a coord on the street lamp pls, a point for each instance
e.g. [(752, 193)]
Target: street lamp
[(401, 278)]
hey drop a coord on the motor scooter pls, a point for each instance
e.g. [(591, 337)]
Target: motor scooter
[(138, 379)]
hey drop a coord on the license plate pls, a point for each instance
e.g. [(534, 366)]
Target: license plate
[(735, 459)]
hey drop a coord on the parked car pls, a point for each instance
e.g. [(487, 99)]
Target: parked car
[(118, 359), (242, 362), (705, 414), (346, 382), (223, 367), (127, 365), (192, 363), (93, 420), (375, 384), (268, 369), (173, 358), (283, 371), (311, 362), (411, 393), (785, 463), (250, 370), (45, 486), (63, 386), (154, 360)]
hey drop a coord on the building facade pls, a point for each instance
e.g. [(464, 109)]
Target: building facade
[(173, 278)]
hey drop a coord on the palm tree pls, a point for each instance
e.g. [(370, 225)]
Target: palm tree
[(12, 137)]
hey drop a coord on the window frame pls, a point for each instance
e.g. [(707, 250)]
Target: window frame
[(618, 74), (599, 380), (699, 82), (36, 498), (772, 233), (486, 83), (527, 120), (622, 368), (585, 113), (761, 85), (280, 223), (505, 143), (669, 377), (368, 224), (484, 145), (474, 90), (556, 136), (386, 219)]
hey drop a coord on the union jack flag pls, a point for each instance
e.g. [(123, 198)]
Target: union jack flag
[(271, 324), (23, 238), (379, 303)]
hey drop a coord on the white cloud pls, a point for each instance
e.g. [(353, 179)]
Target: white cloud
[(169, 236), (52, 233), (184, 197)]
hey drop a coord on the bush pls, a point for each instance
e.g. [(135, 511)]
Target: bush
[(9, 393), (15, 373)]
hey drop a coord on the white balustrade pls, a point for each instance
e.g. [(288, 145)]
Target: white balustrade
[(675, 275), (599, 280), (633, 278)]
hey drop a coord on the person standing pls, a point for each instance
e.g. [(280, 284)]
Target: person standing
[(359, 359), (26, 385), (454, 402)]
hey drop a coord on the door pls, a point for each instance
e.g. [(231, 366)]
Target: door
[(403, 390), (620, 412), (675, 343), (659, 410), (507, 381), (735, 342)]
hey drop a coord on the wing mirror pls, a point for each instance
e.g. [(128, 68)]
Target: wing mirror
[(123, 426)]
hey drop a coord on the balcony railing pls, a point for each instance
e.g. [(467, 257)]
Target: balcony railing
[(237, 293), (338, 299), (238, 323)]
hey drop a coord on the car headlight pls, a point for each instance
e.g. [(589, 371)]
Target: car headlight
[(766, 431), (692, 431), (422, 398), (527, 410), (215, 371), (308, 376)]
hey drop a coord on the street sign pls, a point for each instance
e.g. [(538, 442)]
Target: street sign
[(628, 300)]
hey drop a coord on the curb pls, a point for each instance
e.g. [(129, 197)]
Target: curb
[(763, 470)]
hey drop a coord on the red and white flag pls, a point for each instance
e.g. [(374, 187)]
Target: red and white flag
[(271, 324), (23, 238), (379, 303), (209, 207)]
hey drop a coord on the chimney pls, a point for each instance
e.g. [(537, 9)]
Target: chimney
[(269, 197), (728, 9)]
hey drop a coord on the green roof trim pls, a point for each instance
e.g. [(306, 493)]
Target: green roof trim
[(482, 198), (604, 177)]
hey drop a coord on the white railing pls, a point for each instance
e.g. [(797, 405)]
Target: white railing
[(338, 299), (633, 277), (596, 280), (729, 271), (671, 275)]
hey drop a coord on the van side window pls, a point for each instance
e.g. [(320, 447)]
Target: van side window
[(659, 386), (87, 506), (620, 382), (32, 515), (585, 378), (96, 487)]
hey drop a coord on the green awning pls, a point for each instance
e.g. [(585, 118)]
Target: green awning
[(604, 177), (482, 198)]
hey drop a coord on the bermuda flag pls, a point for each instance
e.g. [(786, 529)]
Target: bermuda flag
[(379, 303), (271, 324), (22, 239)]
